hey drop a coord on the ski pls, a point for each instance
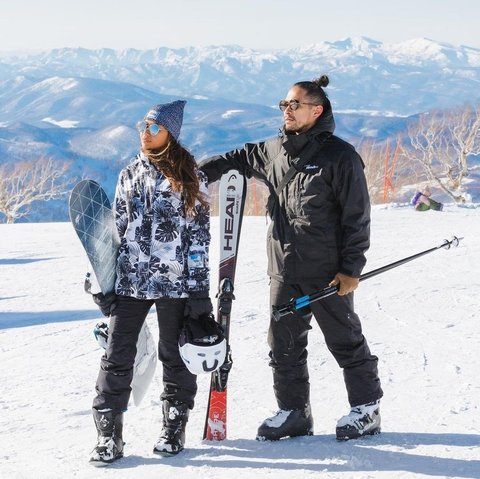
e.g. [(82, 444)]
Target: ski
[(232, 193)]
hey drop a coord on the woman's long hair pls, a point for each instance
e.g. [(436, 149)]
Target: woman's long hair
[(179, 167)]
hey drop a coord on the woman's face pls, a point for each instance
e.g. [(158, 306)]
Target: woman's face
[(150, 141)]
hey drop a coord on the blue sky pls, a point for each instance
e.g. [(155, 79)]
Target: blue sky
[(45, 24)]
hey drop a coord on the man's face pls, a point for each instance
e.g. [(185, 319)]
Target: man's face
[(305, 116)]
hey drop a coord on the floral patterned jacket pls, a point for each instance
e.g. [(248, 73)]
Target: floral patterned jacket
[(163, 253)]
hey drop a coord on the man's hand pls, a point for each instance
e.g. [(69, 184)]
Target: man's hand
[(346, 284)]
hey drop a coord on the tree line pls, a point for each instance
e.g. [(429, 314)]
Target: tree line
[(434, 150)]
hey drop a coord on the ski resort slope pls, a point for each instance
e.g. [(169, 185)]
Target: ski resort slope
[(421, 319)]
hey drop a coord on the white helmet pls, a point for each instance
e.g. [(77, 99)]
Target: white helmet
[(202, 345)]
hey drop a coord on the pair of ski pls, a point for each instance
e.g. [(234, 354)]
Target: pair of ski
[(92, 218)]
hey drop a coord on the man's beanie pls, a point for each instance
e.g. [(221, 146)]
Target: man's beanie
[(169, 115)]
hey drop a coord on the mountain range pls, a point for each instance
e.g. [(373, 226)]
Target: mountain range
[(82, 105)]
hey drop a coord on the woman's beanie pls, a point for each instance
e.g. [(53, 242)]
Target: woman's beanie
[(169, 115)]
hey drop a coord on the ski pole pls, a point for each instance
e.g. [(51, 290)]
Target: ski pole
[(299, 303)]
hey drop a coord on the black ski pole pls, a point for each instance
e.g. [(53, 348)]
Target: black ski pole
[(299, 303)]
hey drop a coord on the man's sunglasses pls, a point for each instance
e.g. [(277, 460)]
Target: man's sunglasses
[(152, 128), (293, 104)]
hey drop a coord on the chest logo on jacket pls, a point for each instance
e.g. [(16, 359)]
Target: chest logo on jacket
[(312, 169)]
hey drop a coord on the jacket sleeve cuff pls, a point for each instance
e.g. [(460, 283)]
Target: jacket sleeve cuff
[(202, 294), (347, 272)]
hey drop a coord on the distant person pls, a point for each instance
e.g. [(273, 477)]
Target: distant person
[(162, 216), (423, 202), (320, 230)]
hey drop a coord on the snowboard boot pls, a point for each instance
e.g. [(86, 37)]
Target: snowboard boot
[(361, 421), (110, 443), (172, 437), (292, 423)]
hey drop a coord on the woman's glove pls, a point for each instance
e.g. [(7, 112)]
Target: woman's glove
[(198, 306), (106, 302)]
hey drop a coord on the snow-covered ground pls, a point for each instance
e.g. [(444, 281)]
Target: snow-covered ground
[(421, 319)]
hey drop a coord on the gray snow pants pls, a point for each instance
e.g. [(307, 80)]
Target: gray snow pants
[(288, 339), (116, 366)]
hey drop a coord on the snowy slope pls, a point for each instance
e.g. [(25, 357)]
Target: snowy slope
[(421, 319)]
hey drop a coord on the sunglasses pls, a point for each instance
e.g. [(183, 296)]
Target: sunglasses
[(152, 128), (293, 104)]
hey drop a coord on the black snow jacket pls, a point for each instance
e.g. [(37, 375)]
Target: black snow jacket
[(321, 220)]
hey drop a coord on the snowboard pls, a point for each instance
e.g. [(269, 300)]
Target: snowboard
[(92, 218), (232, 192)]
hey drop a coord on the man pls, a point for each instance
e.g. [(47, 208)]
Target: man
[(318, 235)]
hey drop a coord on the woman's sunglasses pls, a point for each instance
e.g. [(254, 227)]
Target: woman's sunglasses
[(152, 128)]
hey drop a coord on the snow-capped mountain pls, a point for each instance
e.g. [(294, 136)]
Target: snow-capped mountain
[(367, 75), (82, 105)]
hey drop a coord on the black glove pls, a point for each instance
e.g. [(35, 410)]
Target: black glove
[(197, 307), (107, 303)]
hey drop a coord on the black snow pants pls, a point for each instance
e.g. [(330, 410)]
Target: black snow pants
[(288, 339), (116, 366)]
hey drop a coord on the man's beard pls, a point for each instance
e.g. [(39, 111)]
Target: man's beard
[(290, 131), (294, 131)]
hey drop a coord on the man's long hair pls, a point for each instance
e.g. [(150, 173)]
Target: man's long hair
[(179, 167), (315, 91)]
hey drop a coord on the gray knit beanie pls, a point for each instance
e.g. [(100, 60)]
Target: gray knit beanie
[(169, 115)]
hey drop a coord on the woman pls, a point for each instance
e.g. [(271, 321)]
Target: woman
[(162, 217)]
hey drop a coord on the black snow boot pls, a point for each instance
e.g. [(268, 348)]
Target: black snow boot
[(295, 422), (361, 421), (109, 446), (172, 437)]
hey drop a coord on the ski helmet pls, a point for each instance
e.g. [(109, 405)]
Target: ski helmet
[(202, 345)]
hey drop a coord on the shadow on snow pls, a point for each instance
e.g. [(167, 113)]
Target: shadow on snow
[(35, 318), (15, 261), (324, 454)]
